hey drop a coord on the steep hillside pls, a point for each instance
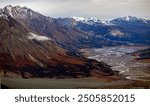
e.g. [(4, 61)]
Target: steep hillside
[(27, 53)]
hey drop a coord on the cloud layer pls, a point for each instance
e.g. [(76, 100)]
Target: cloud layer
[(104, 9)]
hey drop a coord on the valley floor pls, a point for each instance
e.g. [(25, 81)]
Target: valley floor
[(122, 60), (133, 74)]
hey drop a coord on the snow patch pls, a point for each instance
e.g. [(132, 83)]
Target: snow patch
[(116, 33), (38, 37)]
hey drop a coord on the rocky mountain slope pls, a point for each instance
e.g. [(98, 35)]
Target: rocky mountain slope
[(68, 38), (28, 48)]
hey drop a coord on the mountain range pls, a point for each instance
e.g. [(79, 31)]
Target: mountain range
[(34, 45), (28, 48), (121, 31)]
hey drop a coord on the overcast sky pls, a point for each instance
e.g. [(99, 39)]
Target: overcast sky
[(103, 9)]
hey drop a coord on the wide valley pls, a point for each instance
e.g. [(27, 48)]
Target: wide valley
[(120, 59), (135, 74)]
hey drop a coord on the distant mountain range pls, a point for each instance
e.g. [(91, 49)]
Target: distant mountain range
[(121, 31), (34, 45)]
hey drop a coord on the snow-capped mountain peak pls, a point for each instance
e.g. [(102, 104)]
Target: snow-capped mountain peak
[(127, 18), (89, 20), (8, 10), (78, 18), (19, 12), (9, 7), (130, 19)]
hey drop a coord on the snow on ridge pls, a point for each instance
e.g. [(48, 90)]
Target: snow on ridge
[(38, 37), (127, 18), (106, 22), (78, 18), (92, 20), (133, 18), (86, 20), (9, 10), (17, 11)]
